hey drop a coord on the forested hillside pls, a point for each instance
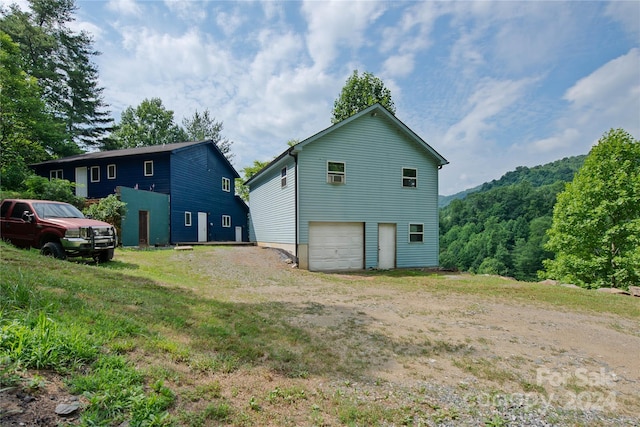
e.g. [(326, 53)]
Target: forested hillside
[(501, 227)]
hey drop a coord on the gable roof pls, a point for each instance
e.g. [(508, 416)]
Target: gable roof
[(373, 110), (126, 152)]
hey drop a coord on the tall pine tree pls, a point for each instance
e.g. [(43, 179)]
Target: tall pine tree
[(61, 61)]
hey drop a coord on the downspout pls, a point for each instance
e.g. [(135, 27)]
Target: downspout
[(295, 192)]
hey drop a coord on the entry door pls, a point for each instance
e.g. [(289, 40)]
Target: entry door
[(81, 182), (143, 228), (386, 246), (238, 234), (202, 226)]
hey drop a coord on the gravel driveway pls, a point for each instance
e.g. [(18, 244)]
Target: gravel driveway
[(470, 358)]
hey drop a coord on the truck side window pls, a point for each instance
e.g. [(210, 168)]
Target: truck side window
[(4, 209), (19, 209)]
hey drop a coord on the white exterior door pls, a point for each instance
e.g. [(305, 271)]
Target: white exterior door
[(81, 182), (336, 246), (238, 234), (202, 226), (386, 246)]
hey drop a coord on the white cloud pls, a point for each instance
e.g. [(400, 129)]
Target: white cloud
[(491, 98), (413, 30), (88, 27), (627, 13), (229, 22), (399, 65), (335, 24), (607, 98), (565, 139), (610, 96), (124, 7), (189, 11), (22, 4)]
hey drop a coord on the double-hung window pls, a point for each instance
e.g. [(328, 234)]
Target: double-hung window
[(187, 219), (416, 233), (148, 168), (226, 184), (55, 174), (95, 173), (336, 173), (409, 177), (226, 221), (283, 177), (111, 171)]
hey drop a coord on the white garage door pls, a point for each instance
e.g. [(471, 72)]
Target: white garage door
[(336, 246)]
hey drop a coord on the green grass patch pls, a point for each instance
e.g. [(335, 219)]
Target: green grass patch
[(150, 334), (576, 299)]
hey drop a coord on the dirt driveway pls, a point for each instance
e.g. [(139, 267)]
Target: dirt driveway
[(528, 363)]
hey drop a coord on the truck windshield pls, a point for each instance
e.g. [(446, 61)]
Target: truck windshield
[(57, 210)]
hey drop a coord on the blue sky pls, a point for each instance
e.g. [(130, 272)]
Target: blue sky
[(489, 85)]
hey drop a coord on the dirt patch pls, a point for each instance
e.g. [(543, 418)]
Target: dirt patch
[(35, 402), (460, 358)]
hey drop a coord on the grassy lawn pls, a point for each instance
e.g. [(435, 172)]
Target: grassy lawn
[(156, 338)]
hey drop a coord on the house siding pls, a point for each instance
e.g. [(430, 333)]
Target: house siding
[(196, 186), (374, 153), (272, 207), (191, 174), (157, 206), (129, 173)]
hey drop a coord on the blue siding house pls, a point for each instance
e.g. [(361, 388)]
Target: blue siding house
[(198, 179), (362, 193)]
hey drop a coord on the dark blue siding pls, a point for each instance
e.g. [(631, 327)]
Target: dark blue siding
[(129, 173), (191, 175), (196, 186)]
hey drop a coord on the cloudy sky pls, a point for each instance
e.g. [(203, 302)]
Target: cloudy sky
[(489, 85)]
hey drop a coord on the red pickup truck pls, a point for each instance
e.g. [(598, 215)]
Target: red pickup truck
[(58, 229)]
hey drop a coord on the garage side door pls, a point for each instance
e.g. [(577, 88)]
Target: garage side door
[(336, 246)]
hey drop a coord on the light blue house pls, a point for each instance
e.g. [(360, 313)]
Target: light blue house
[(362, 193)]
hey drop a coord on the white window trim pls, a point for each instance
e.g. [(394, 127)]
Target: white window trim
[(283, 178), (331, 174), (421, 233), (187, 219), (409, 177), (53, 174), (91, 169), (226, 221), (109, 169), (148, 162), (226, 184)]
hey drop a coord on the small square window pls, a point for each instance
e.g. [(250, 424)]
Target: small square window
[(409, 177), (187, 219), (148, 168), (283, 178), (95, 173), (226, 221), (111, 171), (416, 233), (55, 174), (336, 173), (226, 184)]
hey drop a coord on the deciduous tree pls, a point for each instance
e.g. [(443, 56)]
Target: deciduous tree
[(150, 123), (28, 132), (358, 93), (595, 233)]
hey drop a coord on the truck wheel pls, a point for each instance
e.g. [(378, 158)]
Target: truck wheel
[(53, 249), (105, 256)]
